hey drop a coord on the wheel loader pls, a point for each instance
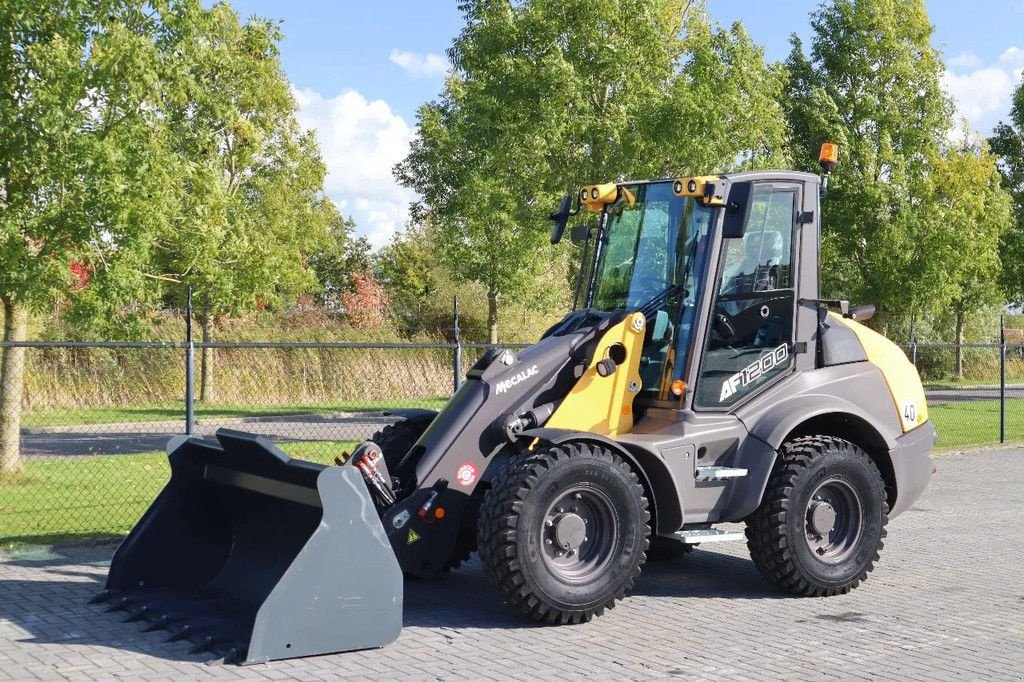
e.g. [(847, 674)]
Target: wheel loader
[(699, 380)]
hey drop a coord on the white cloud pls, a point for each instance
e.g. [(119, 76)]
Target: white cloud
[(965, 60), (361, 141), (418, 64), (983, 93)]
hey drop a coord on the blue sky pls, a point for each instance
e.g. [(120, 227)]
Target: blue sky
[(361, 69)]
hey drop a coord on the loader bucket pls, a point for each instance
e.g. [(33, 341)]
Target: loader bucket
[(254, 556)]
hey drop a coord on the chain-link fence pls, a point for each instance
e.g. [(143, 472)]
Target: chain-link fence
[(86, 454), (975, 391)]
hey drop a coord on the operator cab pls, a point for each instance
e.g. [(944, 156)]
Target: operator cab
[(721, 248)]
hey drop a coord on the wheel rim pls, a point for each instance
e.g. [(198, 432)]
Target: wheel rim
[(833, 521), (578, 534)]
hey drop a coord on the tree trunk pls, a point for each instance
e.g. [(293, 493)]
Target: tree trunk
[(958, 361), (206, 393), (492, 316), (12, 383)]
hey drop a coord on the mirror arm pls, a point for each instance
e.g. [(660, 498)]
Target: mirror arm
[(843, 306)]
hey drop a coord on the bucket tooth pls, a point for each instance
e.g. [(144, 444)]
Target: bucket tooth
[(234, 655), (119, 605), (137, 615), (205, 644), (101, 597), (180, 634), (159, 624)]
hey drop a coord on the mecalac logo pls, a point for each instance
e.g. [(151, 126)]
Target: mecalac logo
[(505, 384)]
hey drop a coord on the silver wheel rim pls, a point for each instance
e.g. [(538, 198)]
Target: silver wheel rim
[(833, 521), (578, 534)]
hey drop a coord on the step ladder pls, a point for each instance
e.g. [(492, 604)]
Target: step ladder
[(716, 473), (697, 536)]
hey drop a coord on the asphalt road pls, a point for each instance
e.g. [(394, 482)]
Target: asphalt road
[(135, 437), (946, 601), (954, 395)]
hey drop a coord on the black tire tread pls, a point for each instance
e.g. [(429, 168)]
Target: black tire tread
[(766, 527), (499, 515)]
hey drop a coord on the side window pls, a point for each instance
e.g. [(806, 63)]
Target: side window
[(750, 340)]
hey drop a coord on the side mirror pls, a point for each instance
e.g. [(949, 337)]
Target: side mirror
[(560, 218), (861, 312), (737, 210)]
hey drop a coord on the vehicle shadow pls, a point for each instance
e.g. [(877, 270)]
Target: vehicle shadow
[(48, 597)]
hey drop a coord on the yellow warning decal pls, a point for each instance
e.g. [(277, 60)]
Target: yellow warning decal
[(900, 374), (412, 537)]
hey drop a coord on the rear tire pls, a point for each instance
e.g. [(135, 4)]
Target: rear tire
[(395, 440), (821, 523), (563, 532)]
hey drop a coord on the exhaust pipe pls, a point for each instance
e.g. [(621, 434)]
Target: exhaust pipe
[(253, 556)]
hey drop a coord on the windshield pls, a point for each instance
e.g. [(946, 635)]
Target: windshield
[(648, 246), (657, 242)]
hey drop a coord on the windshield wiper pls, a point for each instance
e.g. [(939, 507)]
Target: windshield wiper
[(654, 304)]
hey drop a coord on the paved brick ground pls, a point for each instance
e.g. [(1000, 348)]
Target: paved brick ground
[(947, 601)]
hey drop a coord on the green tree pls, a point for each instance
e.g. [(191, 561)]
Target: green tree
[(1008, 144), (252, 205), (549, 94), (872, 84), (82, 178), (965, 193), (338, 258)]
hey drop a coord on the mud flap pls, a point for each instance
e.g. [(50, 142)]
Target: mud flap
[(253, 556)]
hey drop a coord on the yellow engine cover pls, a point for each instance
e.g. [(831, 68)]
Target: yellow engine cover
[(900, 374), (604, 405)]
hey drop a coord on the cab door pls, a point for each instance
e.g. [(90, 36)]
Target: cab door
[(750, 336)]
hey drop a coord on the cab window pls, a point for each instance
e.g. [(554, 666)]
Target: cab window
[(751, 325)]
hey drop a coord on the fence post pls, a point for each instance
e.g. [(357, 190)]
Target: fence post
[(1002, 380), (190, 368), (457, 365), (913, 340)]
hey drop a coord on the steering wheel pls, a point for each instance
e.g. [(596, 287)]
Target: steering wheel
[(723, 325)]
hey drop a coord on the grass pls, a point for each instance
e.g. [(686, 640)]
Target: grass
[(176, 411), (976, 422), (62, 499)]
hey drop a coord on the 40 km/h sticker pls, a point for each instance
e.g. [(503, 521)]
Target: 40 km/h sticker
[(910, 412)]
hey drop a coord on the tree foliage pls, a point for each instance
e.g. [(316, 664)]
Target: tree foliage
[(545, 95), (83, 178), (1008, 144), (336, 260), (251, 204), (872, 84)]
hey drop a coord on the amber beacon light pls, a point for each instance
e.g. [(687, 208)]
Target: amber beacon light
[(829, 156)]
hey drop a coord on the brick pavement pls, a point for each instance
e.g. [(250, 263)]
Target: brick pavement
[(946, 602)]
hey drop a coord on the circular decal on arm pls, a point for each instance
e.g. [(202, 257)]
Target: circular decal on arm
[(466, 474)]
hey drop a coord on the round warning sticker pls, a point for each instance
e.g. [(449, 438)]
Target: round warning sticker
[(466, 475)]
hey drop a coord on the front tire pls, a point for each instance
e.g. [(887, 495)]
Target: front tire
[(563, 532), (821, 523)]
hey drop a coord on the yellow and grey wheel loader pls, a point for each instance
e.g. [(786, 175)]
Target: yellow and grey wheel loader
[(700, 379)]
